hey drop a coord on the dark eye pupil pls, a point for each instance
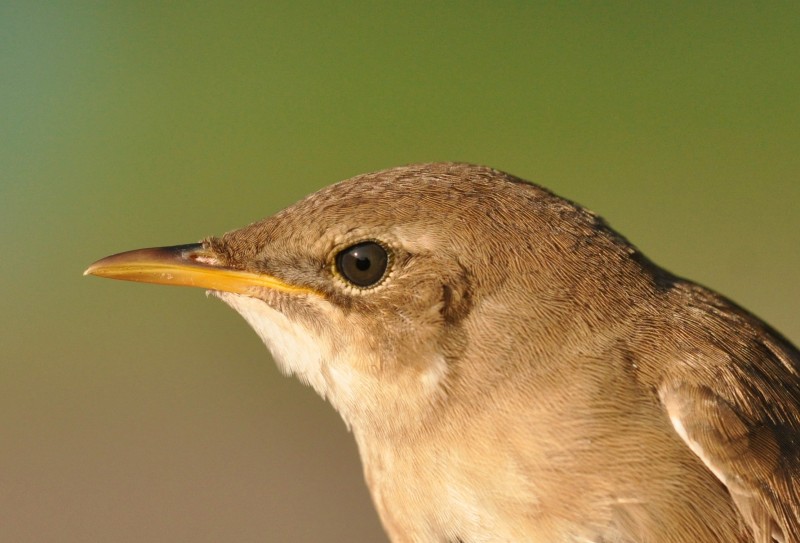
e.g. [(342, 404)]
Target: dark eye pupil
[(363, 264)]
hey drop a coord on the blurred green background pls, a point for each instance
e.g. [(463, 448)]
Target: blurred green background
[(141, 413)]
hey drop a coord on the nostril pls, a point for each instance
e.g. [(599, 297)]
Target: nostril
[(199, 254)]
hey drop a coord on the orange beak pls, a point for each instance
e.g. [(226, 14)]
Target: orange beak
[(188, 266)]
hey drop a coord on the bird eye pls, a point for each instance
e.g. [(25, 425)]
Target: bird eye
[(363, 264)]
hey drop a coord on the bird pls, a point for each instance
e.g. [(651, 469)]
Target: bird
[(511, 368)]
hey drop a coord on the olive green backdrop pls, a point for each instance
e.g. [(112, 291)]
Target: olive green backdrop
[(137, 413)]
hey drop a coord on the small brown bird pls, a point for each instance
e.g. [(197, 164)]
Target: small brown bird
[(511, 368)]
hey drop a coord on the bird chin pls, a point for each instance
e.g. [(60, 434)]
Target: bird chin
[(293, 346)]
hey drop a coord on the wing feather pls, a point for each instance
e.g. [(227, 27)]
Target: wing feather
[(753, 451)]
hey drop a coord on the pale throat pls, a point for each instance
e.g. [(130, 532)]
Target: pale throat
[(360, 389)]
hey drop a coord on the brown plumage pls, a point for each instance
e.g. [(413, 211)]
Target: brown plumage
[(519, 371)]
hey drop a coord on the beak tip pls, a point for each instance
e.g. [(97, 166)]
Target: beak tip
[(94, 268)]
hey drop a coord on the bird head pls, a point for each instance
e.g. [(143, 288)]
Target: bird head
[(398, 292)]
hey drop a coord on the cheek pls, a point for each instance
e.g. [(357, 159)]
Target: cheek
[(415, 329)]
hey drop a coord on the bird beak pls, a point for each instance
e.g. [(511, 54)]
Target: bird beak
[(188, 266)]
